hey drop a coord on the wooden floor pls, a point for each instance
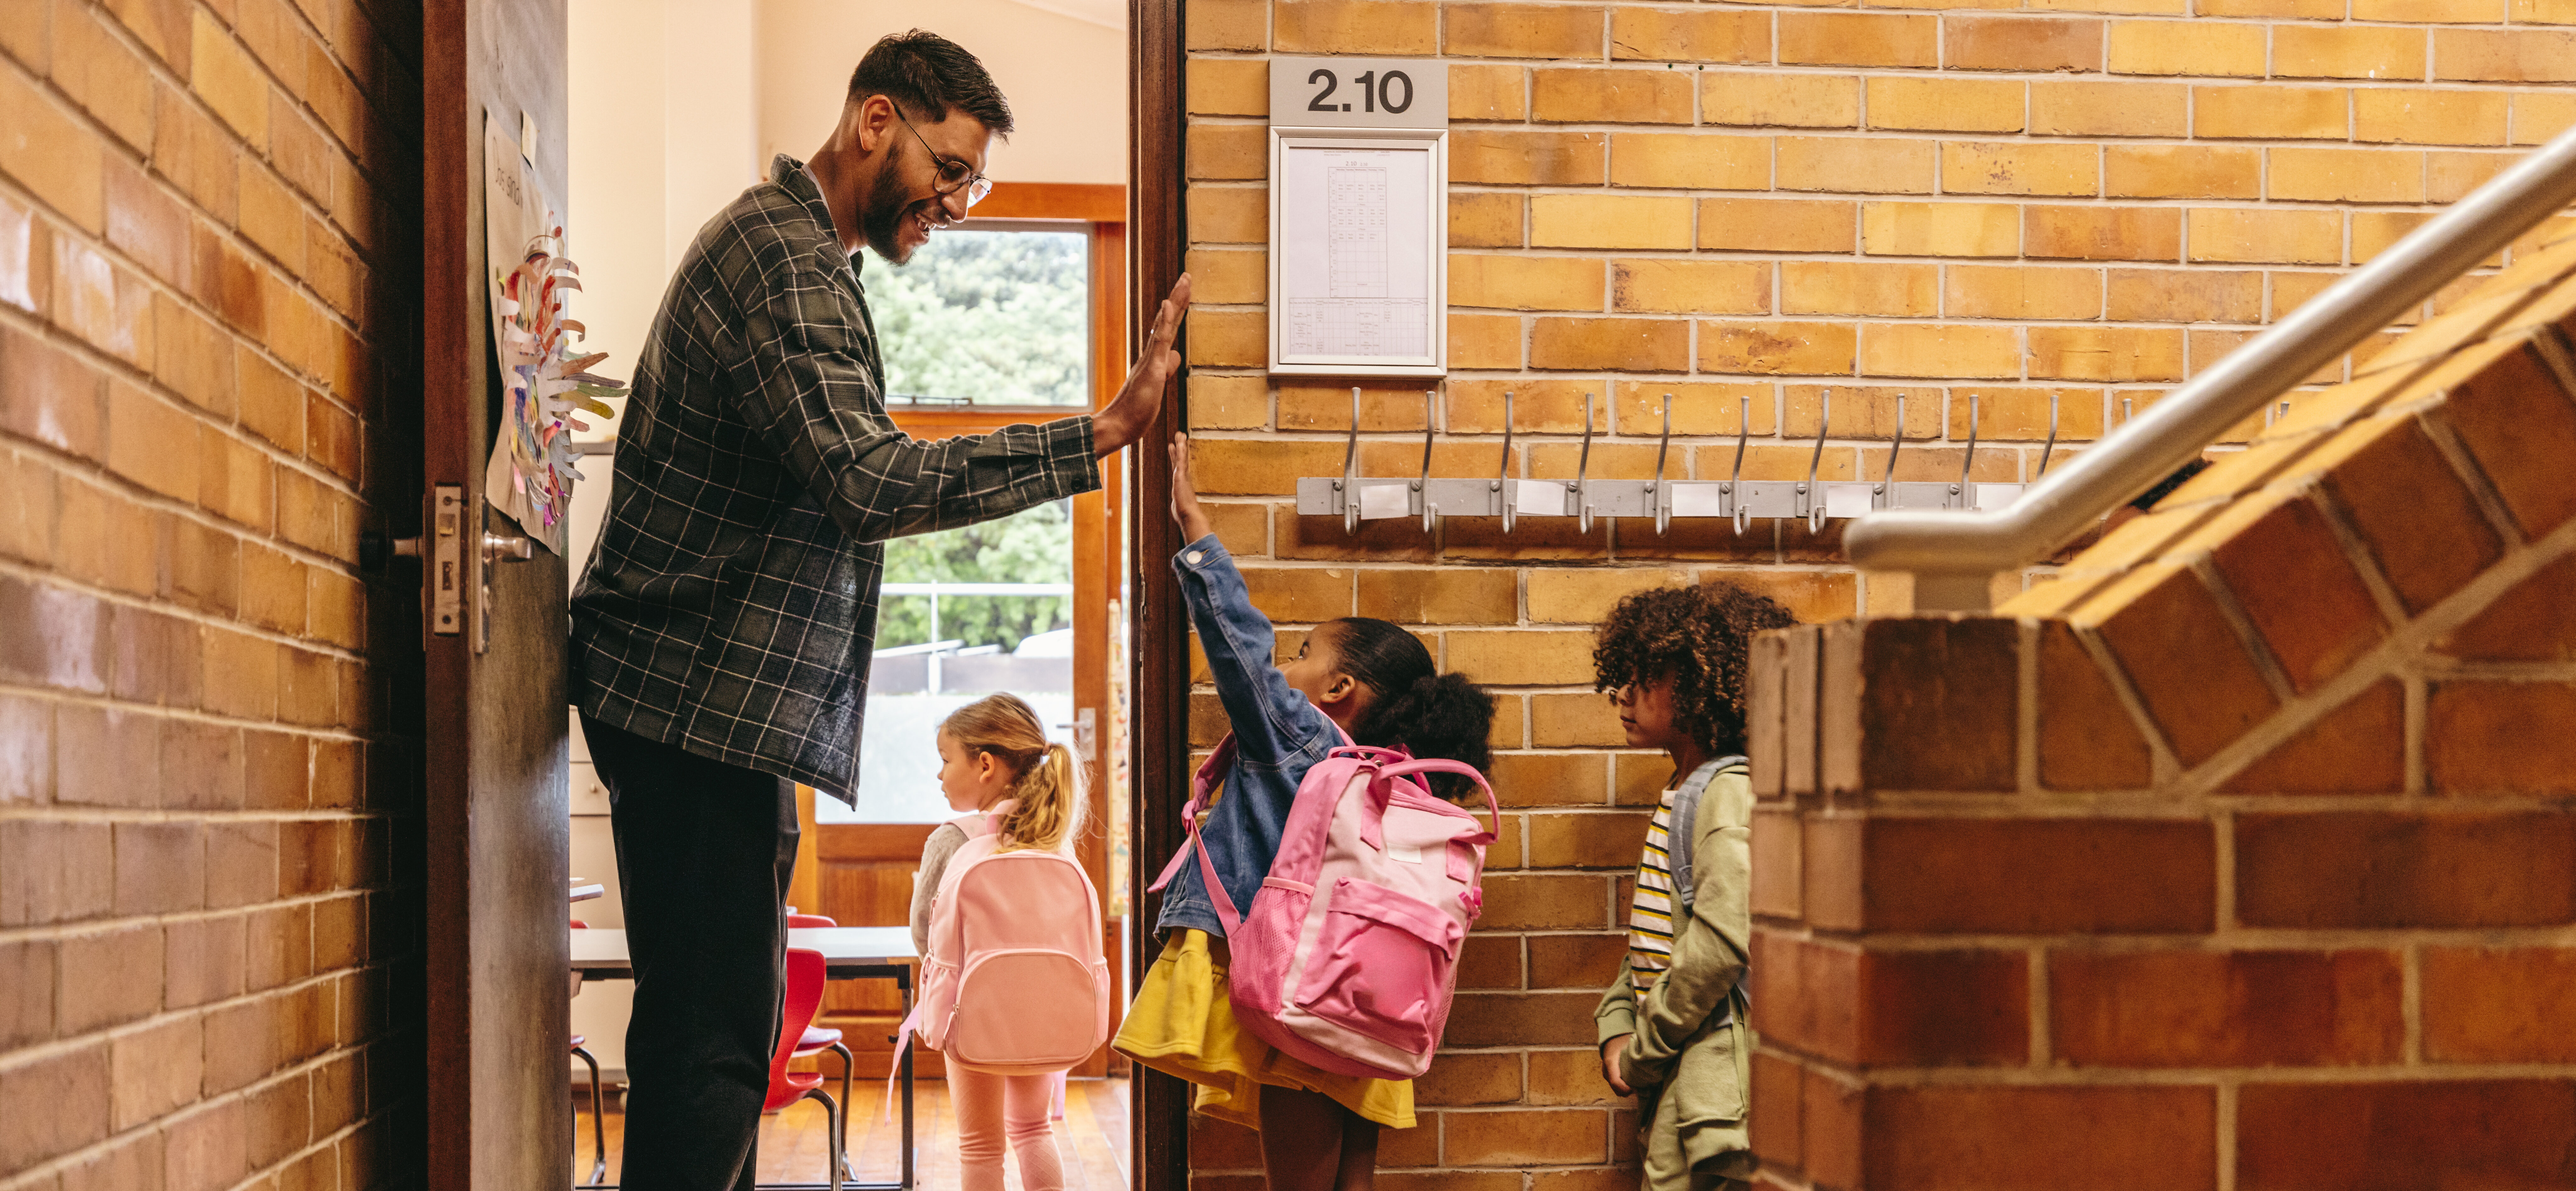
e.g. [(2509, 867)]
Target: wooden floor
[(793, 1143)]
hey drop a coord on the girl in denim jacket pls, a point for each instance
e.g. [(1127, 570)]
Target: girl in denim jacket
[(1363, 678)]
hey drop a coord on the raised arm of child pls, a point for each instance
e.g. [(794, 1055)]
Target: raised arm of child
[(1271, 721)]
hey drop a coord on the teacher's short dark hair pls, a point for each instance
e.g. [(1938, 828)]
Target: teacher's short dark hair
[(929, 76)]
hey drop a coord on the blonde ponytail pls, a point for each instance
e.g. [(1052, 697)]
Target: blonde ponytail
[(1050, 810), (1045, 781)]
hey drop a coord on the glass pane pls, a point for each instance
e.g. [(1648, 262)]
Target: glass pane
[(987, 318), (937, 652)]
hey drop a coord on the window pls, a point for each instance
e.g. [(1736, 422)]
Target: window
[(995, 315), (964, 614)]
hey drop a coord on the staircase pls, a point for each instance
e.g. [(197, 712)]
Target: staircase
[(2240, 854)]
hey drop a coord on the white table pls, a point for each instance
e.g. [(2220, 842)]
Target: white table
[(849, 953)]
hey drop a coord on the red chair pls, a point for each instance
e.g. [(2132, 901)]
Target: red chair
[(804, 996), (819, 1039)]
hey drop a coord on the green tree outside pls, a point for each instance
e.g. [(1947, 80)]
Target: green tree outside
[(1034, 547), (990, 318)]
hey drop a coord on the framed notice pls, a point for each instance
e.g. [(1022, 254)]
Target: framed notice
[(1359, 179)]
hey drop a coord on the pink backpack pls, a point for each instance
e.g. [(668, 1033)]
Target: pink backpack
[(1350, 953), (1014, 983)]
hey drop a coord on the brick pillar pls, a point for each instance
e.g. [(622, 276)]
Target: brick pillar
[(2239, 856)]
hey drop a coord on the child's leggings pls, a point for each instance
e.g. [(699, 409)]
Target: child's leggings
[(992, 1108)]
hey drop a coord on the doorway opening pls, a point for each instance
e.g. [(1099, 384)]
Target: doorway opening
[(1020, 315)]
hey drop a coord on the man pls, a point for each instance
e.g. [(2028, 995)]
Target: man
[(722, 633)]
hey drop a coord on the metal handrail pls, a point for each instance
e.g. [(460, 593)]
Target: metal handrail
[(1955, 555)]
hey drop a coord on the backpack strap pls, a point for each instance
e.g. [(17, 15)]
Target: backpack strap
[(988, 821), (1382, 791), (1203, 786), (1682, 837), (975, 824)]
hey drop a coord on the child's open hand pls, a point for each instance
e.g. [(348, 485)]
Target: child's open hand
[(1610, 1052), (1186, 512)]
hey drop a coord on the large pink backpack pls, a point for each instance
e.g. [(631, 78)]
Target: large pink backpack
[(1350, 952), (1014, 982)]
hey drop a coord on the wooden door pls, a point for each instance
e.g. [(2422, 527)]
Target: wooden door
[(1158, 246), (497, 820)]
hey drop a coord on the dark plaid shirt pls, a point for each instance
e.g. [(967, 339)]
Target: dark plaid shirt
[(730, 605)]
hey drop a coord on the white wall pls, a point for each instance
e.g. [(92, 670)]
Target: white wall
[(1066, 77)]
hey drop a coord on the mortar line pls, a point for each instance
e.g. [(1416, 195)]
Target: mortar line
[(2163, 767), (2386, 659), (2026, 708), (2257, 649), (2417, 781)]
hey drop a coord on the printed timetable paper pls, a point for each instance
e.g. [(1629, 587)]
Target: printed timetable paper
[(1356, 284), (1359, 216)]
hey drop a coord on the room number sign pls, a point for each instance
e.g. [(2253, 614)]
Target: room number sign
[(1359, 179)]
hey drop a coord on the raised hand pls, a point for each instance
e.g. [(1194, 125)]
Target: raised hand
[(1186, 512), (1127, 415)]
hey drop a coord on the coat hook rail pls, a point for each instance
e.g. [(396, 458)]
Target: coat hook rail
[(1355, 497)]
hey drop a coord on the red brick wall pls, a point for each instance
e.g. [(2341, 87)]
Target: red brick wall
[(205, 264), (2238, 856), (2088, 198)]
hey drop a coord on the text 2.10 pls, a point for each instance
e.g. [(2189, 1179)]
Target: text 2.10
[(1376, 92)]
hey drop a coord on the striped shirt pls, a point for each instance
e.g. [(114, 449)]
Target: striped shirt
[(1664, 874), (1650, 913)]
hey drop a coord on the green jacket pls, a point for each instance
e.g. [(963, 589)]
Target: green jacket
[(1690, 1043)]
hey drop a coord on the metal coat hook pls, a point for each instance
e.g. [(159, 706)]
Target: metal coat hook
[(1895, 443), (2051, 447), (2128, 409), (1350, 485), (1816, 508), (1661, 494), (1423, 485), (1503, 473), (1968, 460), (1734, 490), (1583, 473), (2272, 416)]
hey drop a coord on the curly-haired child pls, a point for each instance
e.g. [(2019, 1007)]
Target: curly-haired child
[(1672, 1027)]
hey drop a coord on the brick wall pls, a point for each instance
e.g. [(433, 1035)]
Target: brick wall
[(208, 247), (1726, 201), (2240, 856)]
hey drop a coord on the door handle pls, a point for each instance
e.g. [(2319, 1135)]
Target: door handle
[(376, 551), (507, 547), (497, 548)]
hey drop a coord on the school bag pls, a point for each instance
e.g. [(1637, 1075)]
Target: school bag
[(1349, 954), (1014, 982)]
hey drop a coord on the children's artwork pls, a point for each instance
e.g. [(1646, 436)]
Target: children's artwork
[(544, 383)]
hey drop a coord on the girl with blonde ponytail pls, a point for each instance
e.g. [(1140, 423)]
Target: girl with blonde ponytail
[(990, 751), (994, 748)]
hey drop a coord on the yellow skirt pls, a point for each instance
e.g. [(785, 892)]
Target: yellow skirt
[(1183, 1025)]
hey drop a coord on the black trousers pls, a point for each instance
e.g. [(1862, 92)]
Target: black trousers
[(704, 853)]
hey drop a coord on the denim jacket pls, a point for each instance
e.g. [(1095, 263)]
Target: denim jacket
[(1278, 736)]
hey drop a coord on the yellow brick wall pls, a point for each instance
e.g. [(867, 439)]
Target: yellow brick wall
[(2092, 200), (205, 263)]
